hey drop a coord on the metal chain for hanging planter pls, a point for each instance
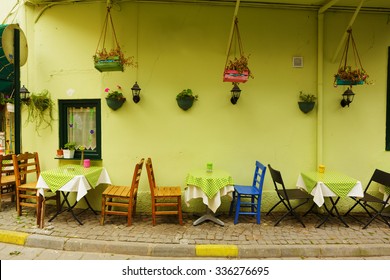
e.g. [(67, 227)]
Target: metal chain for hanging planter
[(114, 59), (236, 70), (346, 74)]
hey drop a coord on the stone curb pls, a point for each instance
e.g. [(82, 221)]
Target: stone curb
[(193, 251)]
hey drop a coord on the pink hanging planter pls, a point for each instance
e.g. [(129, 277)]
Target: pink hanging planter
[(235, 76)]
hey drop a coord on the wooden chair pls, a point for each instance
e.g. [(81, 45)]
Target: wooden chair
[(26, 192), (165, 200), (287, 196), (7, 178), (123, 198), (249, 197)]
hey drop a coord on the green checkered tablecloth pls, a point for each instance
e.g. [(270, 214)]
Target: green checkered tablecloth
[(337, 182), (58, 177), (209, 182)]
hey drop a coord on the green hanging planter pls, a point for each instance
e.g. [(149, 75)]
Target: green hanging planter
[(115, 103)]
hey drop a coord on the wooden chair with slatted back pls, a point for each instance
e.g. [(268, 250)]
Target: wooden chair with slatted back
[(165, 200), (7, 178), (122, 200), (27, 195)]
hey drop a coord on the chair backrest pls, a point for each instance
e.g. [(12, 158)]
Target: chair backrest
[(136, 177), (24, 164), (258, 178), (6, 165), (151, 178), (380, 177), (278, 181)]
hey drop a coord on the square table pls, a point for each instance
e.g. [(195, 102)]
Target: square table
[(210, 186), (329, 184), (72, 178)]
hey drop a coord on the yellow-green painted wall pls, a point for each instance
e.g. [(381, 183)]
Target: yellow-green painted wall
[(184, 46)]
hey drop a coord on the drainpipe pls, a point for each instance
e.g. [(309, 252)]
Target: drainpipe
[(320, 82)]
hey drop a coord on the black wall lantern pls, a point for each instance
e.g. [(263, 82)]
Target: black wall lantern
[(24, 94), (236, 91), (136, 90), (348, 96)]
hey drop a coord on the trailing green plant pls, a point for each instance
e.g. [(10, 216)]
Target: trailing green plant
[(40, 110), (306, 97)]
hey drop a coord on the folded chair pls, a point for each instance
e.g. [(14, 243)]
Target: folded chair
[(26, 192), (249, 197), (373, 205), (123, 198), (287, 196), (7, 178), (165, 200)]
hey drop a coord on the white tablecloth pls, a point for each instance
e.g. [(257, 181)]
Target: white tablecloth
[(78, 184), (213, 203), (321, 190)]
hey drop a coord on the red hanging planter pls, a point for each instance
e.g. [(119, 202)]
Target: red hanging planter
[(235, 76)]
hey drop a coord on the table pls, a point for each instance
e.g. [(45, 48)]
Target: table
[(330, 184), (210, 186), (72, 178)]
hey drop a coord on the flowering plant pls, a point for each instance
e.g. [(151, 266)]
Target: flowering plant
[(239, 64), (115, 94), (351, 75), (114, 55)]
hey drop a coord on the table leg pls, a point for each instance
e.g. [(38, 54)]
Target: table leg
[(330, 212), (70, 208), (209, 216)]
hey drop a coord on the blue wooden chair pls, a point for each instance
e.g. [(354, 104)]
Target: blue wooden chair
[(251, 194)]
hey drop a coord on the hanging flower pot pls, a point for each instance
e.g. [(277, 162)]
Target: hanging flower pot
[(235, 76), (236, 69), (115, 103), (346, 74), (185, 99), (306, 107), (115, 98), (113, 60), (109, 64), (306, 102)]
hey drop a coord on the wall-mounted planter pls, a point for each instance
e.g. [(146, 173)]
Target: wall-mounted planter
[(185, 102), (306, 107), (235, 77), (115, 103)]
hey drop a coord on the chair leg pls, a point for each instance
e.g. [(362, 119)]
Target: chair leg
[(232, 204), (179, 211), (238, 206), (103, 212), (129, 212), (258, 212), (153, 211), (273, 207)]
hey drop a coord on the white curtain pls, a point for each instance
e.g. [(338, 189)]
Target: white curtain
[(82, 126)]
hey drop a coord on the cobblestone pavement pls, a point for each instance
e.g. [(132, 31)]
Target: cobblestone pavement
[(347, 242)]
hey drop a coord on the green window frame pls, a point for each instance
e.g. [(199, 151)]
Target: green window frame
[(64, 106), (387, 144)]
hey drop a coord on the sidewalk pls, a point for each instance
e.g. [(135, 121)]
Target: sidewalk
[(169, 239)]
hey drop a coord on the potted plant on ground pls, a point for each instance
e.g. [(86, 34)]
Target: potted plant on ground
[(306, 102), (185, 99), (69, 149), (115, 98)]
